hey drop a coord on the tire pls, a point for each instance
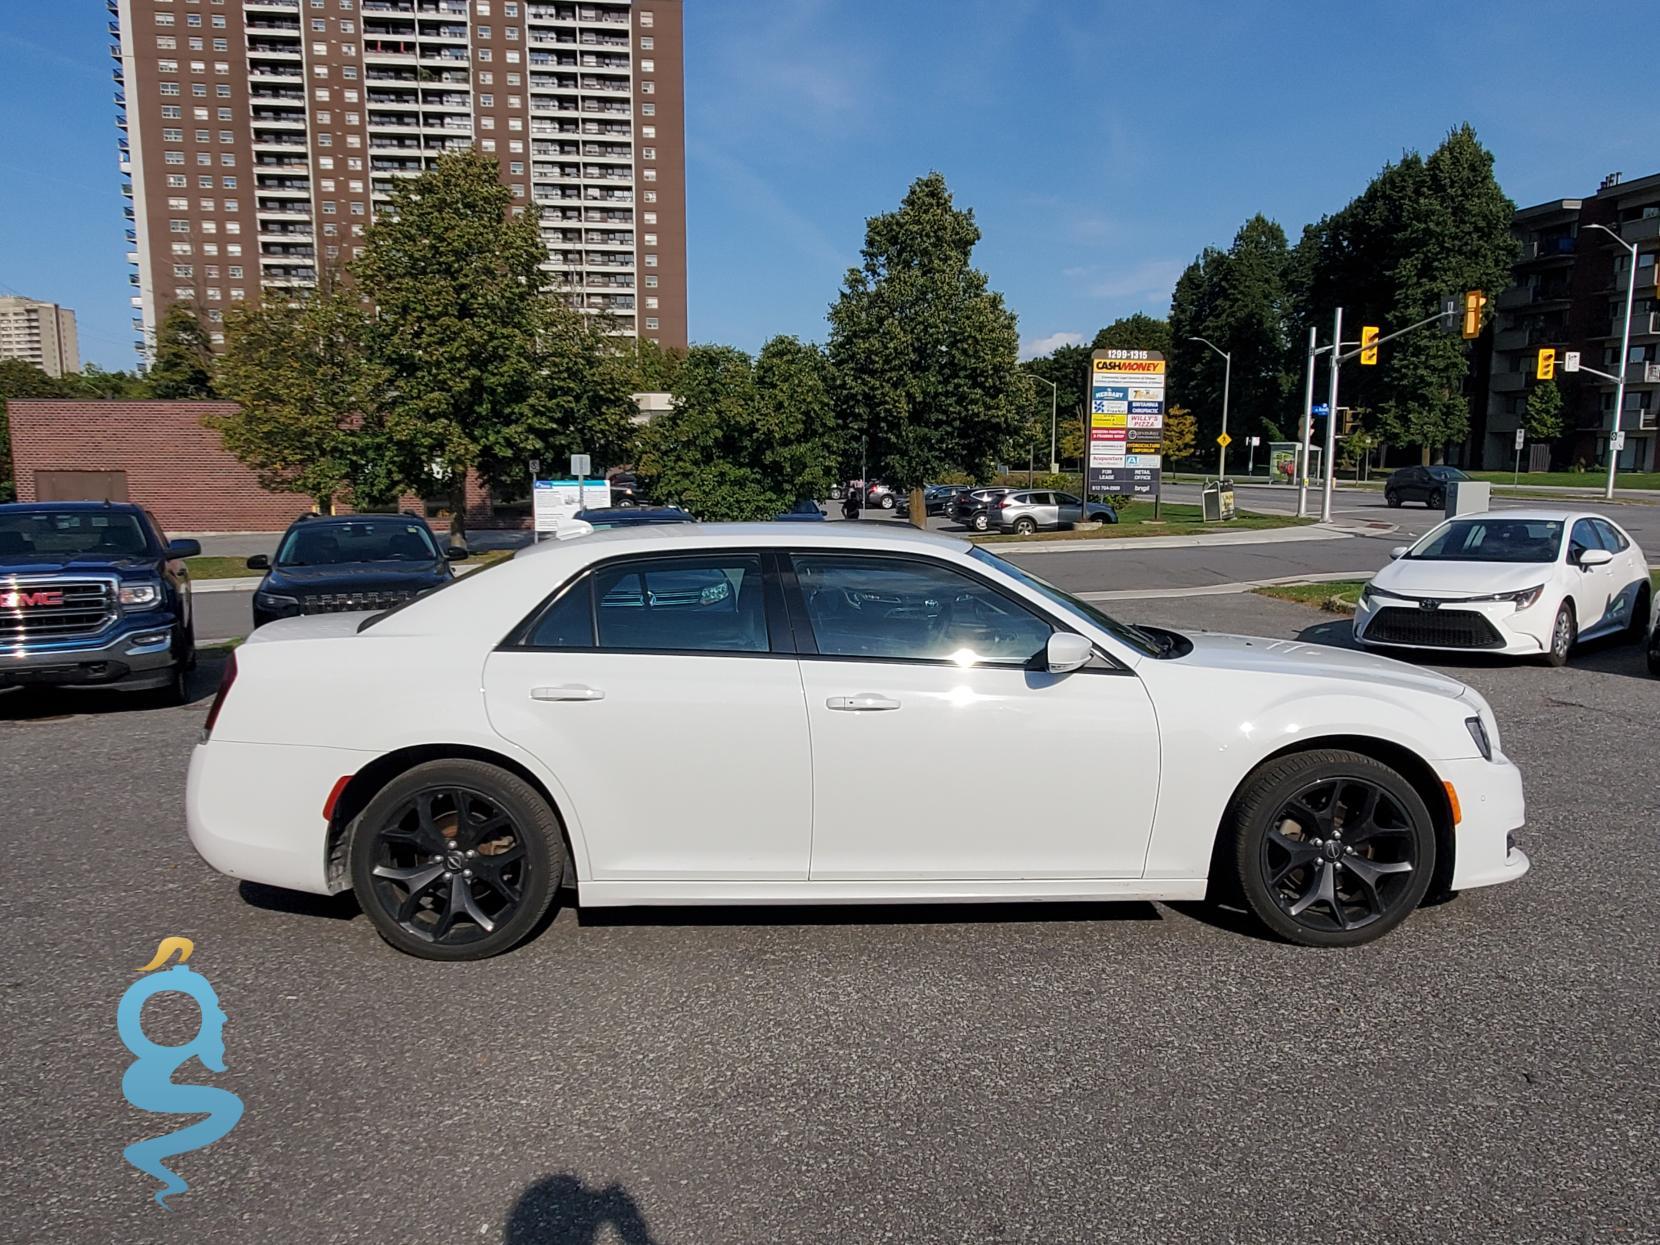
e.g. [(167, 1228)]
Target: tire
[(1636, 630), (1564, 632), (392, 837), (1296, 873), (1654, 653), (887, 501), (1392, 500), (980, 522), (1024, 527), (1437, 500)]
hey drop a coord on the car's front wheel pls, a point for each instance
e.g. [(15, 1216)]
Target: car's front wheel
[(1332, 848), (887, 501), (456, 860), (980, 522), (1393, 500), (1437, 500)]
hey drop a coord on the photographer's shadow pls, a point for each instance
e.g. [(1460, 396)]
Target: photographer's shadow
[(561, 1210)]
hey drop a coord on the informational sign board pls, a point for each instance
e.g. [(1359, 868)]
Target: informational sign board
[(556, 501), (1126, 422)]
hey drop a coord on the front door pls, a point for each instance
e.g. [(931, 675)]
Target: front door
[(940, 749), (1594, 588), (650, 691)]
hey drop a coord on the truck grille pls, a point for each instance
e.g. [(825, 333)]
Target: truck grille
[(346, 602), (58, 609), (1442, 628)]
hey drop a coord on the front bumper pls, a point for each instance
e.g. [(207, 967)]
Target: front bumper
[(1513, 632), (1485, 852), (135, 659)]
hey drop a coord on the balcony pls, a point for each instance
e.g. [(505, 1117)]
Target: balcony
[(256, 5), (265, 49), (1645, 230), (281, 28), (388, 6), (1642, 374), (607, 85)]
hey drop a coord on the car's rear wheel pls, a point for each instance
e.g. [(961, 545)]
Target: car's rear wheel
[(979, 522), (1636, 629), (1025, 527), (1564, 631), (1437, 500), (1332, 848), (887, 501), (456, 860)]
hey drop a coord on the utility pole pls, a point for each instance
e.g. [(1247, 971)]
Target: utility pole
[(1625, 359), (1054, 410), (1306, 440)]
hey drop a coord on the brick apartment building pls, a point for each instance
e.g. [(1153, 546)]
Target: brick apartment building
[(1569, 293), (260, 137)]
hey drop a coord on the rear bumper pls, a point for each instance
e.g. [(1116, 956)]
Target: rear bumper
[(137, 658)]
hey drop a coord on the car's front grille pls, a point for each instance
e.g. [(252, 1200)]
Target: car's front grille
[(1438, 628), (58, 609), (346, 602)]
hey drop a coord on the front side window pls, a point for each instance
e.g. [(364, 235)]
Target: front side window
[(877, 608), (1611, 538), (710, 603), (1583, 537)]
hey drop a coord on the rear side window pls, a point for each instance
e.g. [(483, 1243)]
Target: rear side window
[(705, 604)]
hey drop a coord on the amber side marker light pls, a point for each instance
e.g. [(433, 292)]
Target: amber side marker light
[(1452, 800)]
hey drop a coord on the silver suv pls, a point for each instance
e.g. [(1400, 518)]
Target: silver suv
[(1035, 510)]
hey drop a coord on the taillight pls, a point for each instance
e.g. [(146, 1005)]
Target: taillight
[(1002, 503), (225, 682)]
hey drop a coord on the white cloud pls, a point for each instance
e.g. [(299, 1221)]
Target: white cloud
[(1043, 345)]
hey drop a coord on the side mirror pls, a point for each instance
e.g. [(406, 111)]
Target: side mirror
[(1399, 551), (455, 553), (1595, 557), (259, 562), (1068, 651), (184, 549)]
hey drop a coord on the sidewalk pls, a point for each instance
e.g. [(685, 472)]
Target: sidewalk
[(1267, 536)]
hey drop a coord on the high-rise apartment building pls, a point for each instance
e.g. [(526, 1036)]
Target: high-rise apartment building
[(261, 136), (39, 333), (1568, 292)]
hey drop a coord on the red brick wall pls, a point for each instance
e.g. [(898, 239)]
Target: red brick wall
[(174, 465)]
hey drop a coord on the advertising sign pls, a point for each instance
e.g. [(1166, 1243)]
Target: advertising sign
[(1126, 422), (558, 500)]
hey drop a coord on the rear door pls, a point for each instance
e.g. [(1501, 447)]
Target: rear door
[(1592, 587), (1630, 572), (661, 693)]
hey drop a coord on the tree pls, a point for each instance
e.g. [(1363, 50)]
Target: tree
[(1544, 412), (1180, 434), (1137, 332), (745, 439), (485, 367), (310, 398), (183, 362), (923, 354), (94, 382), (1067, 368), (650, 367)]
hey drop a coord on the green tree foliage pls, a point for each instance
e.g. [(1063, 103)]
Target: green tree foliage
[(1067, 368), (485, 366), (183, 362), (923, 354), (94, 383), (310, 398), (746, 438), (649, 367), (1181, 431), (1544, 412), (1240, 300)]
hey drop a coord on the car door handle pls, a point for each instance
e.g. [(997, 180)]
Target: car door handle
[(567, 691), (864, 702)]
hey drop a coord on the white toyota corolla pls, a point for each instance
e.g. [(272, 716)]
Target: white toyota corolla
[(767, 714), (1526, 582)]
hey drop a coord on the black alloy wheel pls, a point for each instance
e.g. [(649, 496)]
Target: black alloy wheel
[(1393, 500), (456, 860), (1654, 652), (1334, 849), (1563, 633), (1636, 627), (1437, 500)]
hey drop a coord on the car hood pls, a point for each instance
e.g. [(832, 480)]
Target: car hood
[(355, 576), (1423, 577), (78, 564), (1319, 661)]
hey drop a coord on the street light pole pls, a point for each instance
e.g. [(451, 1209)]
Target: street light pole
[(1305, 437), (1625, 358), (1054, 409), (1227, 380), (1331, 420)]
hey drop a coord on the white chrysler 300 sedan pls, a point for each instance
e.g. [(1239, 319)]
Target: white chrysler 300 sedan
[(767, 714), (1522, 582)]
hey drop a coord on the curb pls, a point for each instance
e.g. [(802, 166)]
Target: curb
[(1219, 590), (1268, 536)]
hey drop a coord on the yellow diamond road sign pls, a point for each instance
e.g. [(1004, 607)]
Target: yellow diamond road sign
[(1224, 440)]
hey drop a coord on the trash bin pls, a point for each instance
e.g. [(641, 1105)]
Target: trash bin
[(1216, 501), (1468, 497)]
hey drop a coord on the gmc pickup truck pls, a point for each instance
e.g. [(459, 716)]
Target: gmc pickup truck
[(93, 595)]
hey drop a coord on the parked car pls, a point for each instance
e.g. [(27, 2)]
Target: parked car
[(327, 564), (1426, 484), (804, 511), (936, 498), (92, 594), (1032, 510), (626, 490), (1525, 582), (972, 509), (1099, 512), (873, 494), (1654, 644), (602, 518), (709, 715)]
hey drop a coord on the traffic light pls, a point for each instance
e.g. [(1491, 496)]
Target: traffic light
[(1349, 420), (1474, 301), (1547, 363), (1368, 345)]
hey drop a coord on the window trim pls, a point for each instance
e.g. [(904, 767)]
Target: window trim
[(772, 598)]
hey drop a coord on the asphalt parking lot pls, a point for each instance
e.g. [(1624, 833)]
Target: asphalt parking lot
[(1034, 1074)]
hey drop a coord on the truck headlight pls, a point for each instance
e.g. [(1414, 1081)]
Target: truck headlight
[(140, 596)]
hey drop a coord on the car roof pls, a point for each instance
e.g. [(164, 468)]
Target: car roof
[(1539, 513), (46, 507), (677, 537), (335, 520)]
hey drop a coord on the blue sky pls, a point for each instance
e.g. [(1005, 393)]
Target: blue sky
[(1101, 145)]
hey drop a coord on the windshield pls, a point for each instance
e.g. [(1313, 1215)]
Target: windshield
[(1135, 637), (70, 532), (367, 540), (1491, 540)]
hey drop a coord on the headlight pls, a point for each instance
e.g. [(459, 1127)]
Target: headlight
[(1523, 599), (1478, 732), (141, 596), (275, 601), (1372, 592)]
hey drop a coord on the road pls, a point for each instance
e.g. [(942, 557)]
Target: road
[(1045, 1074)]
